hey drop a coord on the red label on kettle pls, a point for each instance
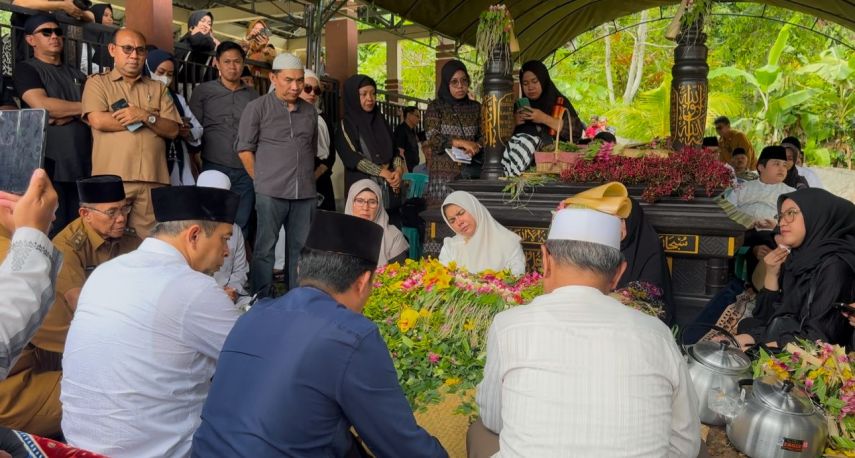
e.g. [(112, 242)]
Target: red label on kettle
[(793, 445)]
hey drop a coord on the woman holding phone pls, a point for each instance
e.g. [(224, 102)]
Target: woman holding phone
[(539, 114), (811, 270)]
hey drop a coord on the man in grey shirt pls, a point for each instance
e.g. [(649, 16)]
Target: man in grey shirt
[(218, 106), (277, 143)]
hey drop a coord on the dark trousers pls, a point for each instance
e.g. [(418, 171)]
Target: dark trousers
[(296, 215), (712, 311), (242, 186), (69, 203)]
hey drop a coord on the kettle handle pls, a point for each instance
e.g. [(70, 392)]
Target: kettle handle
[(724, 332)]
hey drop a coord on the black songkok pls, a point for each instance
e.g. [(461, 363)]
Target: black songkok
[(345, 234), (772, 152), (101, 189), (183, 203)]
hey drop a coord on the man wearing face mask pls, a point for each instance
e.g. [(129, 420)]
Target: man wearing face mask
[(148, 330)]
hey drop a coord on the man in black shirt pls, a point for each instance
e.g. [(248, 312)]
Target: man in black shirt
[(406, 139), (43, 81)]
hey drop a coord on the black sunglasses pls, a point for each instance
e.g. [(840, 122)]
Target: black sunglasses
[(308, 88), (48, 31)]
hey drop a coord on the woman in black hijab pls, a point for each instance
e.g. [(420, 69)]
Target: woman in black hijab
[(364, 141), (543, 96), (645, 260), (812, 268), (199, 43), (94, 50), (452, 120), (535, 124)]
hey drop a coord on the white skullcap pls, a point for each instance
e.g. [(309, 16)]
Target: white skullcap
[(287, 61), (214, 179), (586, 225), (310, 74)]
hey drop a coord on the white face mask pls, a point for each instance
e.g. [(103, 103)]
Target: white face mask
[(162, 78)]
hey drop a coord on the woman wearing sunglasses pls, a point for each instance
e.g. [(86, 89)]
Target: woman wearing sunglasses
[(811, 270)]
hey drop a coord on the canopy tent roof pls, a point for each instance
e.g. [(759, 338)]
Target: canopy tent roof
[(542, 26)]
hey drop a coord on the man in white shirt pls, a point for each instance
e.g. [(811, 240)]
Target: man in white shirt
[(232, 275), (577, 373), (794, 149), (758, 199), (148, 330), (30, 266)]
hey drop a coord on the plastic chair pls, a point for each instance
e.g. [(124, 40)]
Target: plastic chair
[(417, 183), (741, 264)]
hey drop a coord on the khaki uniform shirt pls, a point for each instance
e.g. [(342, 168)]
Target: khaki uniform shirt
[(736, 139), (83, 250), (134, 156)]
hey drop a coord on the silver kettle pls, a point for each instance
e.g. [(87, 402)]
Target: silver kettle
[(716, 369), (778, 421)]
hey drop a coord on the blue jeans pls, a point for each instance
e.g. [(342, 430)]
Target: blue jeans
[(242, 186), (296, 215)]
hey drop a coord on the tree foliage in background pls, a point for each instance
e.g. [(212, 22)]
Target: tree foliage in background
[(770, 79)]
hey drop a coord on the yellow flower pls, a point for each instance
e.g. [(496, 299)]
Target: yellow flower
[(408, 319), (469, 325), (452, 265), (424, 313), (452, 381)]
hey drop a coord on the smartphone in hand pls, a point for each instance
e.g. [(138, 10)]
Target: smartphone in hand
[(22, 147), (843, 307), (120, 104), (523, 104)]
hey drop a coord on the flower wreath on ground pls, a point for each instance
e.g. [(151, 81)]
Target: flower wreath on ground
[(434, 319)]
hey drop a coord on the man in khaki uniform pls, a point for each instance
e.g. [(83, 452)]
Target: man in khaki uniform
[(29, 398), (129, 142)]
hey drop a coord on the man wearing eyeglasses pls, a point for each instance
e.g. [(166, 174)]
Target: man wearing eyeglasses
[(43, 81), (131, 115), (29, 398)]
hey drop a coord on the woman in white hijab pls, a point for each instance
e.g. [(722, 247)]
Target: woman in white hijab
[(364, 201), (481, 242)]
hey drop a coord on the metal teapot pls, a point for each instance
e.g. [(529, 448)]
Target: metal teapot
[(777, 421), (716, 368)]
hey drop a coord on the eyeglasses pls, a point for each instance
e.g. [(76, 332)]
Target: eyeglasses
[(128, 49), (48, 31), (308, 88), (113, 213), (365, 202), (462, 82), (788, 216)]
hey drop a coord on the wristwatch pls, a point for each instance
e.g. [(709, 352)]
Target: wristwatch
[(151, 119)]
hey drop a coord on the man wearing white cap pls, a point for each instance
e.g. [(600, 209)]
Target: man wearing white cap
[(277, 143), (577, 372), (232, 275)]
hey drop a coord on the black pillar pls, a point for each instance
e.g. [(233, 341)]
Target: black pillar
[(689, 86), (497, 110)]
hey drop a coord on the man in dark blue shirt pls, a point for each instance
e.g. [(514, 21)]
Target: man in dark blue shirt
[(296, 373)]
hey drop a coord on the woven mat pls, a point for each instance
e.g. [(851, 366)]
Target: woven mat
[(450, 428)]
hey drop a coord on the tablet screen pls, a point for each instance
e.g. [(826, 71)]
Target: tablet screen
[(22, 147)]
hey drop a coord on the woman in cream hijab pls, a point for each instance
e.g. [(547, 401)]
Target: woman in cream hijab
[(481, 242), (364, 200)]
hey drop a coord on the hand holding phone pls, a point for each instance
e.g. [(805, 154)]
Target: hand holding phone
[(523, 104), (844, 307), (120, 105)]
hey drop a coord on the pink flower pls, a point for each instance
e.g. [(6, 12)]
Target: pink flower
[(433, 357), (809, 383)]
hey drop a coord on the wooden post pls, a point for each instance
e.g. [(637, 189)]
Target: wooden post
[(152, 18)]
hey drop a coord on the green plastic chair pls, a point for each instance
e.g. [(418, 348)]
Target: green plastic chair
[(417, 184), (741, 263)]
